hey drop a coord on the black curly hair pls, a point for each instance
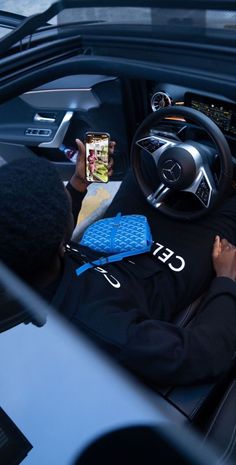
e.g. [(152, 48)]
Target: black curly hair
[(34, 214)]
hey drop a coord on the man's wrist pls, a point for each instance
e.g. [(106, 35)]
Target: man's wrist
[(226, 275), (79, 183)]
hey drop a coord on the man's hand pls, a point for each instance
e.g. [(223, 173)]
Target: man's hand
[(224, 258), (78, 180)]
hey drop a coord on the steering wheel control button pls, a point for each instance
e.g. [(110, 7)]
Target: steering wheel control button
[(151, 144), (177, 167), (203, 192)]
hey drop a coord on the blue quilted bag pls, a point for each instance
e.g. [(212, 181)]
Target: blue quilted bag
[(121, 236)]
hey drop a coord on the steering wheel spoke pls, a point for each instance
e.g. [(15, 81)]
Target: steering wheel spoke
[(204, 187), (156, 199), (154, 145)]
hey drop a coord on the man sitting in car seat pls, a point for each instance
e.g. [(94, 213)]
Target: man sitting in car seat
[(127, 306)]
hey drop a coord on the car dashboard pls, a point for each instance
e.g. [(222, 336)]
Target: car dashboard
[(47, 119), (219, 109)]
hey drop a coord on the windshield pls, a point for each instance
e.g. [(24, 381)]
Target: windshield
[(152, 16), (25, 7), (180, 21), (127, 15)]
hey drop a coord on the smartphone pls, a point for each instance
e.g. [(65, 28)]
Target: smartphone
[(97, 156)]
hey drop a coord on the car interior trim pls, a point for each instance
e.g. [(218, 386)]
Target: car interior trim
[(60, 134)]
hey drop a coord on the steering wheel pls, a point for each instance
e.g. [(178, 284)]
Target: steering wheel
[(182, 166)]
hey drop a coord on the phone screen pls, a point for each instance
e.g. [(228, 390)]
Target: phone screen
[(97, 145)]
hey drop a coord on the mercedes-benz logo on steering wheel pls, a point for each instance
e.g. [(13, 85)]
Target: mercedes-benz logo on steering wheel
[(171, 170)]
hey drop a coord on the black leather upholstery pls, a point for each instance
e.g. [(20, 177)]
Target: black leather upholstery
[(192, 400), (183, 402), (221, 430), (187, 314), (210, 406)]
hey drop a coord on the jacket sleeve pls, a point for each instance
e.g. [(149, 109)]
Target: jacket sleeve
[(76, 198), (164, 353)]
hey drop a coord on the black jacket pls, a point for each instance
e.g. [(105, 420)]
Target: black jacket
[(128, 306)]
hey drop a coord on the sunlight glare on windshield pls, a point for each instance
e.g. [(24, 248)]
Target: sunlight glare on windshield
[(25, 7)]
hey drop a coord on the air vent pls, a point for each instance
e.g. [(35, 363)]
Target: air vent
[(160, 100)]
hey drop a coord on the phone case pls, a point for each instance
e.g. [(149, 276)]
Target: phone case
[(97, 156)]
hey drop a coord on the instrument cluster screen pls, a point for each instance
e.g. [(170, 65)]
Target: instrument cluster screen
[(222, 113)]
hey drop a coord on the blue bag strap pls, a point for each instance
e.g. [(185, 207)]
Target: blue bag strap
[(111, 258)]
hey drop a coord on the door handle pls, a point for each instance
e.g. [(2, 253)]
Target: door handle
[(60, 133), (44, 119)]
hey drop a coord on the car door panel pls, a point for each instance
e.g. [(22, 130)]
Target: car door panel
[(52, 116)]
